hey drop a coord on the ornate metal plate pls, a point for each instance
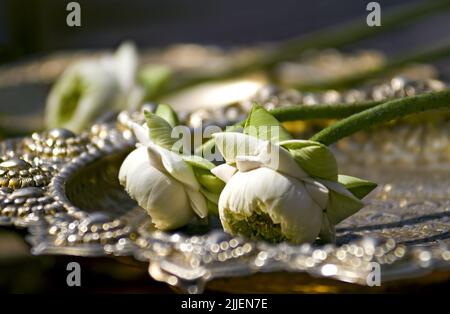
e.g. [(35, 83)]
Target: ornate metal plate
[(64, 188)]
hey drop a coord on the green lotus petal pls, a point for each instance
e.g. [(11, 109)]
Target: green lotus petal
[(341, 203), (203, 174), (261, 124), (167, 113), (208, 180), (64, 99), (340, 207), (154, 78), (160, 130), (313, 157), (358, 187), (212, 197), (212, 207), (198, 162), (83, 92), (327, 231)]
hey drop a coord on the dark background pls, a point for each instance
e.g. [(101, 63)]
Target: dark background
[(31, 27)]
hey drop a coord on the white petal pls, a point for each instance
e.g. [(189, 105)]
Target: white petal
[(163, 197), (126, 65), (141, 132), (231, 145), (135, 98), (317, 191), (176, 166), (198, 203), (283, 198), (279, 159), (247, 163), (137, 158), (224, 172)]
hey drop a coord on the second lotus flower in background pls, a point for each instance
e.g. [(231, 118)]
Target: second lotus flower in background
[(89, 88)]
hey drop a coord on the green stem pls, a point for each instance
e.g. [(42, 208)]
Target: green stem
[(320, 111), (427, 55), (303, 112), (333, 37), (382, 113)]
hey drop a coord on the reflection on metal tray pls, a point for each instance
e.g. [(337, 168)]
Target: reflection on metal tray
[(64, 188)]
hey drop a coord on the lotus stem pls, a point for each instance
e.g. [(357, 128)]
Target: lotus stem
[(386, 112)]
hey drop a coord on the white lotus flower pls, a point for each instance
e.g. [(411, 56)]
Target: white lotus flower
[(162, 183), (90, 87), (269, 196)]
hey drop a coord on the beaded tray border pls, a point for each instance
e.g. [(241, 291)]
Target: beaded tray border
[(64, 188)]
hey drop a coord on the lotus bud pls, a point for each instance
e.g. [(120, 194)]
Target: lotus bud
[(280, 189), (262, 199), (173, 188), (89, 88)]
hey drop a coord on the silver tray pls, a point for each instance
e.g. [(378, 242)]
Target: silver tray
[(64, 189)]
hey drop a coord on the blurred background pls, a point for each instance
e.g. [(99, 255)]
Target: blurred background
[(31, 28), (31, 31), (34, 32)]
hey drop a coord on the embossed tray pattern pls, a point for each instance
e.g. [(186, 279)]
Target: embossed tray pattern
[(64, 189)]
